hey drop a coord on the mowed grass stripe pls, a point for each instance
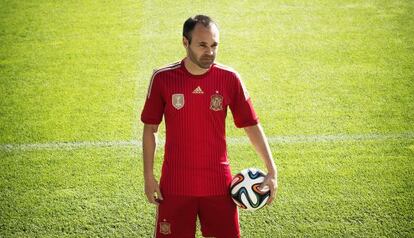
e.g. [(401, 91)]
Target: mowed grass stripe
[(293, 139), (325, 191)]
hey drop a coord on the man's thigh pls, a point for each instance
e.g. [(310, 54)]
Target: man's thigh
[(176, 217), (219, 217)]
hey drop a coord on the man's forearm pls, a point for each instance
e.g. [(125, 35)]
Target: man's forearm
[(149, 143), (259, 141)]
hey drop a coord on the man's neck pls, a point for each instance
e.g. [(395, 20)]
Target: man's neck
[(193, 68)]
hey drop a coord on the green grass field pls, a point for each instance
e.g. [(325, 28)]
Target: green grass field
[(332, 82)]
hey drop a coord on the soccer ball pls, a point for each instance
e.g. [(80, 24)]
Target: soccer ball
[(245, 192)]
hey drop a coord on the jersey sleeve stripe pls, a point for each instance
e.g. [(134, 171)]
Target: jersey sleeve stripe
[(157, 71), (227, 68)]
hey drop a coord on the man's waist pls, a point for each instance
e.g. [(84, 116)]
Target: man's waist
[(197, 162), (195, 182)]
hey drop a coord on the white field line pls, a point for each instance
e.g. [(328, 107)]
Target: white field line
[(293, 139)]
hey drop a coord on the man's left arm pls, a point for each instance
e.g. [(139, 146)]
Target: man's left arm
[(261, 145)]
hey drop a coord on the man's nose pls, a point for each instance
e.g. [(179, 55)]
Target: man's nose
[(209, 51)]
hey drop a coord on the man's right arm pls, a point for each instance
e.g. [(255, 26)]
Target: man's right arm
[(149, 144)]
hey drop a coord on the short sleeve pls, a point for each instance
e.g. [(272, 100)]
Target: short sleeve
[(154, 103), (241, 105)]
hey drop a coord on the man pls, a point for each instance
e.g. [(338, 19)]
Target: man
[(193, 96)]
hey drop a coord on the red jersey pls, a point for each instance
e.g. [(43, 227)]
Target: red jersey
[(195, 109)]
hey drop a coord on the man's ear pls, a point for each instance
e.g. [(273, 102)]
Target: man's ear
[(185, 42)]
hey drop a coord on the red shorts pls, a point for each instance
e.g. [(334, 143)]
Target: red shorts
[(177, 215)]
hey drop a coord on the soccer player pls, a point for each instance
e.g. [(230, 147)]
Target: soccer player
[(194, 95)]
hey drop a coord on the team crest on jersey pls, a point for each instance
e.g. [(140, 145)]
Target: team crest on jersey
[(178, 100), (165, 228), (216, 103)]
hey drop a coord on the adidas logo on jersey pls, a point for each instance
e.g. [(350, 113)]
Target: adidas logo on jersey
[(198, 90)]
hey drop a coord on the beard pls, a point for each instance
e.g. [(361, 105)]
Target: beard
[(204, 62)]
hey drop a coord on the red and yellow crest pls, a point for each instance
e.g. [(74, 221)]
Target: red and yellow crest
[(216, 103), (165, 228)]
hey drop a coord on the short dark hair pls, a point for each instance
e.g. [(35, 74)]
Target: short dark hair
[(191, 22)]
